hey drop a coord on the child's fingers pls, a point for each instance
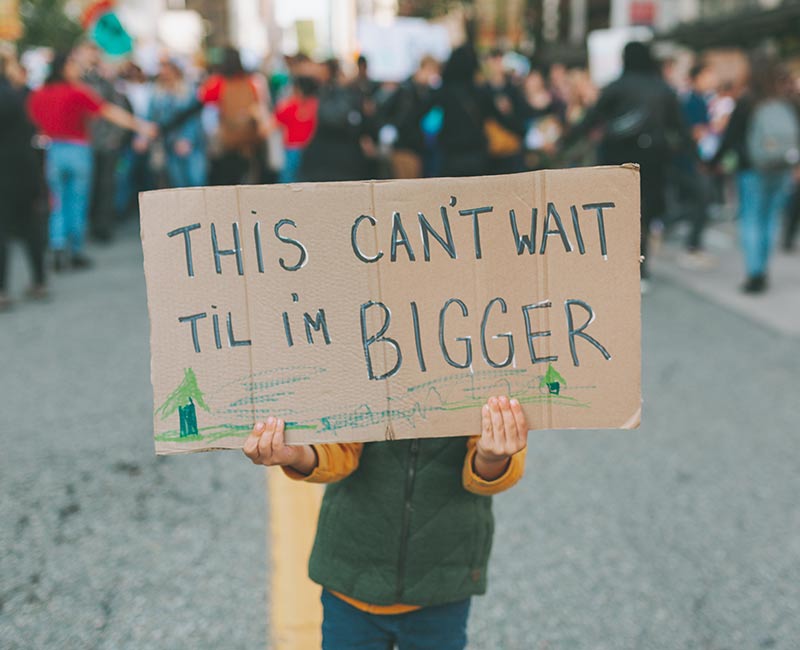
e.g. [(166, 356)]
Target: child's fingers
[(486, 422), (497, 420), (265, 442), (509, 424), (277, 439), (521, 421), (250, 448)]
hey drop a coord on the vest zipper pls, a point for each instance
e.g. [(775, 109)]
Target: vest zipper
[(405, 530)]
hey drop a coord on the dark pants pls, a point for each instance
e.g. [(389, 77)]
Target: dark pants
[(345, 627), (693, 192), (652, 179), (19, 218), (103, 213), (792, 226)]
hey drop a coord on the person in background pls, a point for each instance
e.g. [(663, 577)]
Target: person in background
[(22, 192), (641, 121), (764, 131), (107, 140), (184, 149), (465, 107), (687, 175), (504, 141), (134, 174), (297, 114), (62, 110), (404, 111), (336, 151), (544, 120), (243, 121)]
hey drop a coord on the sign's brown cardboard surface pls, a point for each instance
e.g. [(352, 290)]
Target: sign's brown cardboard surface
[(393, 309)]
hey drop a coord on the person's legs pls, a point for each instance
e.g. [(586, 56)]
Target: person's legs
[(792, 219), (750, 203), (56, 173), (5, 219), (435, 628), (776, 197), (77, 204), (103, 204), (345, 627)]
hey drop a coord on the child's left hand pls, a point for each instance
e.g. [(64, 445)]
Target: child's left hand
[(504, 432)]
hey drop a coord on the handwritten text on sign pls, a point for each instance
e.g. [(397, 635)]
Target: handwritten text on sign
[(408, 302)]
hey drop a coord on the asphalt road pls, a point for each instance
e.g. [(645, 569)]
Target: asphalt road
[(684, 534)]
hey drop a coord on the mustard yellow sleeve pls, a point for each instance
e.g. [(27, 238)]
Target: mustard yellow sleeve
[(334, 462), (477, 485)]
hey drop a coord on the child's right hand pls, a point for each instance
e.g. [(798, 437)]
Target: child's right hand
[(265, 446)]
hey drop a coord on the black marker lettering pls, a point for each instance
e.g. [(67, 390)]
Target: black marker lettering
[(426, 229), (526, 309), (601, 227), (399, 237), (476, 230), (509, 358), (546, 231), (354, 239), (289, 240), (193, 320), (524, 241), (317, 324), (232, 341), (573, 332), (417, 337), (187, 244), (236, 250), (367, 341), (466, 339), (259, 251), (577, 226)]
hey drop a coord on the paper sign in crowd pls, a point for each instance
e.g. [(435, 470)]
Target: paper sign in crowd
[(379, 310)]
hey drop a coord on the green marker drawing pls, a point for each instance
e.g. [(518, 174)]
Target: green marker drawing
[(183, 399), (552, 380)]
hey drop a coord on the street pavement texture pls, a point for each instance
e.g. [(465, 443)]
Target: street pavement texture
[(684, 534)]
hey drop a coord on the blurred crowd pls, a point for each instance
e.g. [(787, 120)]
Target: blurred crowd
[(76, 151)]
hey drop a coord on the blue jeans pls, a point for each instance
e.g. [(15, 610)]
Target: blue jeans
[(345, 627), (69, 177), (187, 171), (291, 166), (762, 198)]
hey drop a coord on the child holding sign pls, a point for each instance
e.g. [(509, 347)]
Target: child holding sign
[(405, 527)]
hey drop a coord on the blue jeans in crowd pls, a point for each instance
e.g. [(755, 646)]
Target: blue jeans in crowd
[(345, 627), (291, 166), (187, 171), (69, 177), (762, 199)]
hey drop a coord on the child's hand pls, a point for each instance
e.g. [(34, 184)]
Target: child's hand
[(504, 433), (264, 446)]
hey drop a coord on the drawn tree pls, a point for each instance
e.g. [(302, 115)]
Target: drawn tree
[(183, 400), (552, 380)]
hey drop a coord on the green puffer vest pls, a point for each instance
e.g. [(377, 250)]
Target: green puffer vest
[(402, 528)]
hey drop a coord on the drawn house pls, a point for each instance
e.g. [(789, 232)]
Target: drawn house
[(183, 400), (552, 380)]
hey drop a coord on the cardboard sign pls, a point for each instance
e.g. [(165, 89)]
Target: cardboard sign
[(380, 310)]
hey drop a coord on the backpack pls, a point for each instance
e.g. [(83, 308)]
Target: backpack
[(238, 127), (773, 135)]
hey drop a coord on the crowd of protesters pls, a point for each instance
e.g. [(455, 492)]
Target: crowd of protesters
[(75, 152)]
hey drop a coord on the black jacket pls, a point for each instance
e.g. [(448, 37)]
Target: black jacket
[(641, 120)]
